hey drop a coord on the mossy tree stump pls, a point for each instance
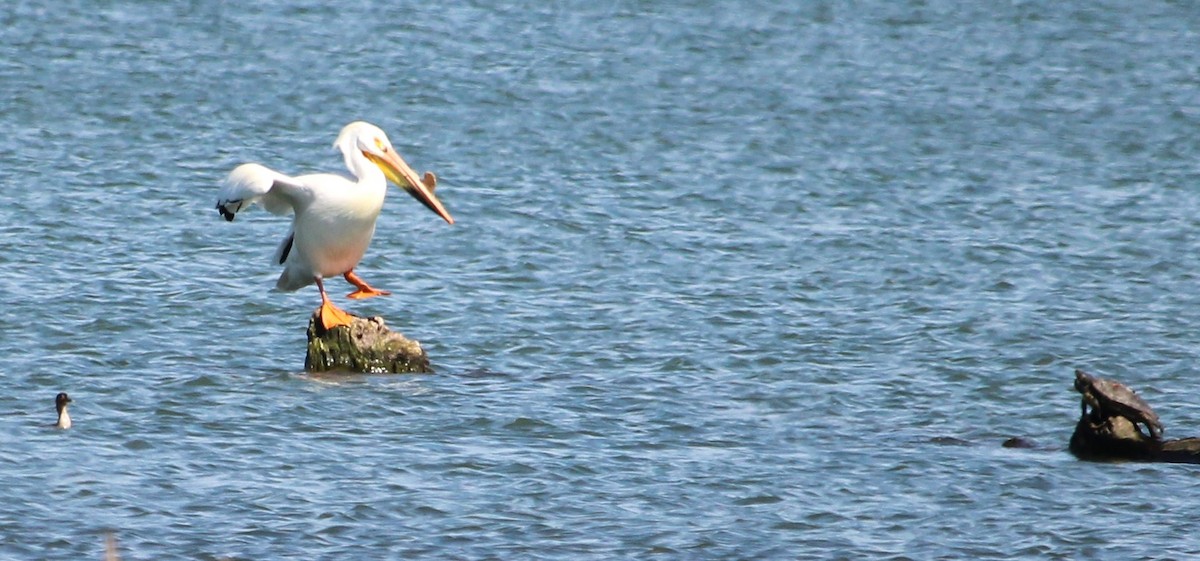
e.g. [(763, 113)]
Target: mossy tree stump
[(365, 346)]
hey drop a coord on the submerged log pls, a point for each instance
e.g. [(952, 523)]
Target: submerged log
[(1108, 427), (365, 346)]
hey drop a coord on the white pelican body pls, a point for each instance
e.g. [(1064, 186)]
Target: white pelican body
[(332, 228), (334, 216)]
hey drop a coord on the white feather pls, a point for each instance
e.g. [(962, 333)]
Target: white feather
[(254, 183)]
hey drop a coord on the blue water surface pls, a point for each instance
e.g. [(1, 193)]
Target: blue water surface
[(736, 280)]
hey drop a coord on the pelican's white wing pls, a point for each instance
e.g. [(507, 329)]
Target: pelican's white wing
[(253, 183)]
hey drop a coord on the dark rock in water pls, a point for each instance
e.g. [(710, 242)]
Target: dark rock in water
[(1111, 438), (1108, 426), (1018, 442), (949, 441), (365, 346), (1182, 450)]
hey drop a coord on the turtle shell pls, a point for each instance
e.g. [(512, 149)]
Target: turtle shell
[(1117, 398)]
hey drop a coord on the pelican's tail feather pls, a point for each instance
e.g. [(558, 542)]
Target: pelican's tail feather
[(292, 280)]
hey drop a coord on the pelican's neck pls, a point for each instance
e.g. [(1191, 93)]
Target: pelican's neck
[(364, 171), (367, 173), (64, 419)]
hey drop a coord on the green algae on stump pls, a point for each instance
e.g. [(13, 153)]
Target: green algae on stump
[(365, 346)]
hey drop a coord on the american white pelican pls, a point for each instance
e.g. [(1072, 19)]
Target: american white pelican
[(334, 216), (60, 402)]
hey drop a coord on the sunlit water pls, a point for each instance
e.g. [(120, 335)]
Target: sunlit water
[(728, 280)]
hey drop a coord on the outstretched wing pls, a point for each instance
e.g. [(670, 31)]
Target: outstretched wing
[(253, 183)]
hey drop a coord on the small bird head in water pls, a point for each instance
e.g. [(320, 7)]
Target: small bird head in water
[(60, 402)]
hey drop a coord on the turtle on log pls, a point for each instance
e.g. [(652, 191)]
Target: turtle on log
[(1110, 398), (1108, 427)]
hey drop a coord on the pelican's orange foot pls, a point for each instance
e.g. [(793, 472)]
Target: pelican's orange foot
[(368, 293), (333, 316), (364, 289)]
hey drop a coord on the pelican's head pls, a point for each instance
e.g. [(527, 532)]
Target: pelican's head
[(367, 139)]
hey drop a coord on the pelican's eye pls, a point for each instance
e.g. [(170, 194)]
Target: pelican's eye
[(380, 145)]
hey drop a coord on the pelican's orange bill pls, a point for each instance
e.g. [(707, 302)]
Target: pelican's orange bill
[(398, 172)]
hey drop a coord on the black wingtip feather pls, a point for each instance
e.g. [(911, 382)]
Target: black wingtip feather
[(225, 213)]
